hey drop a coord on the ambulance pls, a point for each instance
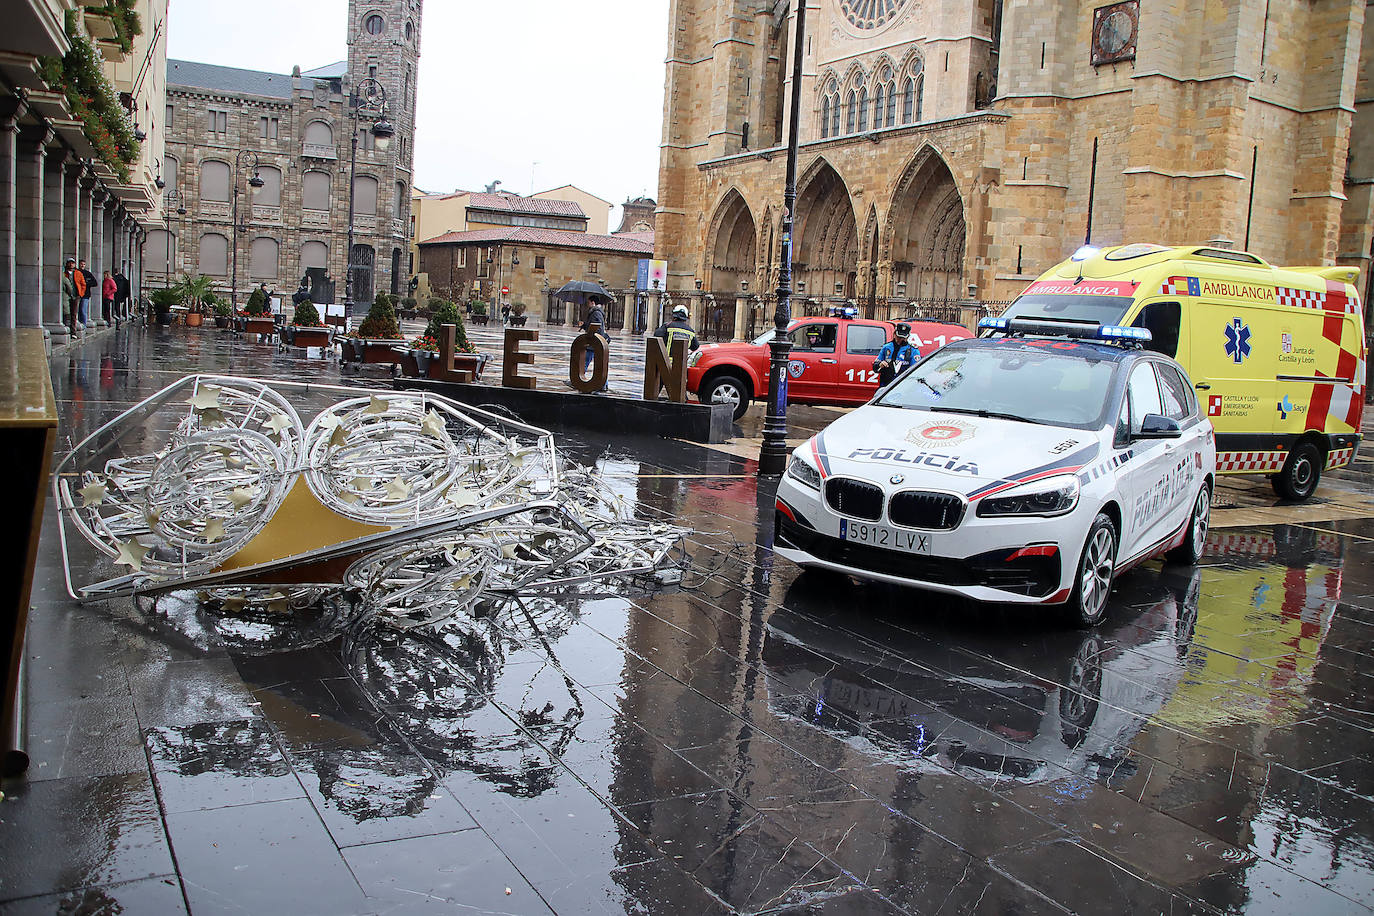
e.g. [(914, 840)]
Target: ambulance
[(1277, 354)]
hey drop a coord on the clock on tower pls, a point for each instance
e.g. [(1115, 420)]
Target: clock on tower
[(1115, 28)]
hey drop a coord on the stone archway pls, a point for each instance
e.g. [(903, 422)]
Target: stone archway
[(732, 246), (827, 243), (926, 231)]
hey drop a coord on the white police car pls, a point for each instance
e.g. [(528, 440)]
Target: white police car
[(1027, 467)]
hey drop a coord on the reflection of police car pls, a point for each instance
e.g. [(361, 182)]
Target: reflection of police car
[(1019, 468)]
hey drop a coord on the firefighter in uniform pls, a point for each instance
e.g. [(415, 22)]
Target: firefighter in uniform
[(678, 329), (896, 355)]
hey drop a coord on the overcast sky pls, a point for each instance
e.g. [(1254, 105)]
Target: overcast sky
[(538, 93)]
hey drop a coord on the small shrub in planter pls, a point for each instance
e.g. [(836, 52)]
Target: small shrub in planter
[(164, 300), (257, 303), (307, 316), (443, 312), (222, 313), (380, 323)]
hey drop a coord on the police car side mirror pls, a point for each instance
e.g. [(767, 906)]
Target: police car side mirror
[(1157, 426)]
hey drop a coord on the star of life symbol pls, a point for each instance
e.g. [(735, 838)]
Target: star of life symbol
[(1237, 340)]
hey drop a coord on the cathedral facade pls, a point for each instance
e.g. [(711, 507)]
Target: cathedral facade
[(296, 133), (955, 149)]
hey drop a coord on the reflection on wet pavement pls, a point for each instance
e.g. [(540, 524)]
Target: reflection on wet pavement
[(755, 740)]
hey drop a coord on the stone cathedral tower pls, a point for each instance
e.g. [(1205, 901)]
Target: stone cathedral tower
[(384, 45)]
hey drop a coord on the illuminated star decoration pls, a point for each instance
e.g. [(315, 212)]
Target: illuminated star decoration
[(377, 405), (213, 531), (434, 425), (93, 493), (240, 497), (396, 488), (279, 424), (131, 554), (205, 398), (461, 497)]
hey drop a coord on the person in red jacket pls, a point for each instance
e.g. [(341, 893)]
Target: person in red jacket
[(108, 290)]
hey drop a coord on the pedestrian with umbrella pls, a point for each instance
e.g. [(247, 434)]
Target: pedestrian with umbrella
[(582, 292)]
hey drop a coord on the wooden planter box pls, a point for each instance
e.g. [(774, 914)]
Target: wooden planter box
[(264, 326), (365, 350), (307, 337)]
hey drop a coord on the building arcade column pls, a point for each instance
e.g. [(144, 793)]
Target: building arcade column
[(741, 318), (28, 235), (55, 317), (71, 222), (96, 259), (11, 108)]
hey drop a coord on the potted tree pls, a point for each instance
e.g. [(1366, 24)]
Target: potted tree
[(196, 291), (222, 313), (306, 329), (164, 300), (424, 350), (517, 314), (479, 312), (377, 335)]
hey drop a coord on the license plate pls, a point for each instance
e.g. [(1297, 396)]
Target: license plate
[(885, 537)]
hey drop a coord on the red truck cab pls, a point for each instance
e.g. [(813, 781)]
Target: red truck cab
[(831, 362)]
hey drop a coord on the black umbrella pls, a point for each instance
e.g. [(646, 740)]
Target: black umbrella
[(580, 291)]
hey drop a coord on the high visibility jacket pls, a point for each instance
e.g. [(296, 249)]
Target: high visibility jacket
[(678, 330)]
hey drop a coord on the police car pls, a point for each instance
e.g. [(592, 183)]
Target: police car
[(1027, 467)]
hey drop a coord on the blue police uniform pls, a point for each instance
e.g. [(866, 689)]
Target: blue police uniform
[(898, 357)]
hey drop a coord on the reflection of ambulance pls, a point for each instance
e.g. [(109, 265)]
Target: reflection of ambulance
[(1277, 354)]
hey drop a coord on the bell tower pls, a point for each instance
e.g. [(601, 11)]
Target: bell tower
[(384, 45)]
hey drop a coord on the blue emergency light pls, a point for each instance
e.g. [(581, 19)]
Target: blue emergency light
[(1116, 332), (843, 311), (993, 324)]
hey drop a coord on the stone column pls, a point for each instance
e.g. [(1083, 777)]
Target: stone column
[(10, 110), (136, 278), (55, 253), (96, 259), (741, 317), (28, 238), (71, 208), (698, 318), (85, 202)]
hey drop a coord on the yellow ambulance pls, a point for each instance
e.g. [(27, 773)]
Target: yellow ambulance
[(1277, 354)]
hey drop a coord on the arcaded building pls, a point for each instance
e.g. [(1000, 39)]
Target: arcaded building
[(953, 149), (295, 132)]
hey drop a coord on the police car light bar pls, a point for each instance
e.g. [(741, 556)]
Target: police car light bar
[(842, 311), (1059, 327)]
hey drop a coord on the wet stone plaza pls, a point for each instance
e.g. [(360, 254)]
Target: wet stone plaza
[(747, 740)]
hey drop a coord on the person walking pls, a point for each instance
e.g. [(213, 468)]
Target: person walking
[(678, 329), (122, 291), (108, 290), (596, 317), (896, 355), (72, 283), (87, 289)]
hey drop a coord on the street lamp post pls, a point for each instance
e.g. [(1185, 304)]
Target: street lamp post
[(255, 182), (773, 451), (369, 94), (172, 196)]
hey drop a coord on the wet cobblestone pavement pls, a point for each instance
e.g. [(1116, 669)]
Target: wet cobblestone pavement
[(751, 741)]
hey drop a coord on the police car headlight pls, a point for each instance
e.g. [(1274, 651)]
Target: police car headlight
[(1051, 496), (803, 473), (693, 358)]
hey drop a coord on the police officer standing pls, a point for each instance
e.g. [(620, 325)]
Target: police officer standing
[(896, 355), (678, 329)]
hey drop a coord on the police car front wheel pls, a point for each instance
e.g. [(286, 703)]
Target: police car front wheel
[(1096, 569)]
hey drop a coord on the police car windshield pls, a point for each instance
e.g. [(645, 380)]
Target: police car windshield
[(1101, 309), (1026, 382)]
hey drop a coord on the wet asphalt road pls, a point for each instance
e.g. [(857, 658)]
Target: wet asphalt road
[(752, 741)]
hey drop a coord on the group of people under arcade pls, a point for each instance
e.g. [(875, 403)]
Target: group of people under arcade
[(79, 285)]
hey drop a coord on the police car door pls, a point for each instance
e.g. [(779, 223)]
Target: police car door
[(813, 364), (1143, 478)]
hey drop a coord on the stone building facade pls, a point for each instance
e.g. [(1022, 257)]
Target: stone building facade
[(296, 133), (58, 197), (529, 262), (956, 149)]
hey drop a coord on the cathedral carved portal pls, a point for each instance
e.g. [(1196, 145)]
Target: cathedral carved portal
[(909, 254)]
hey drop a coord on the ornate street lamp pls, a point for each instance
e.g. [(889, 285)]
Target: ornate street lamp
[(172, 196), (773, 452), (255, 184), (369, 95)]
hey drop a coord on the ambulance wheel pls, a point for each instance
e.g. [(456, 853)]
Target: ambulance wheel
[(1190, 551), (1096, 569), (727, 388), (1301, 472)]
